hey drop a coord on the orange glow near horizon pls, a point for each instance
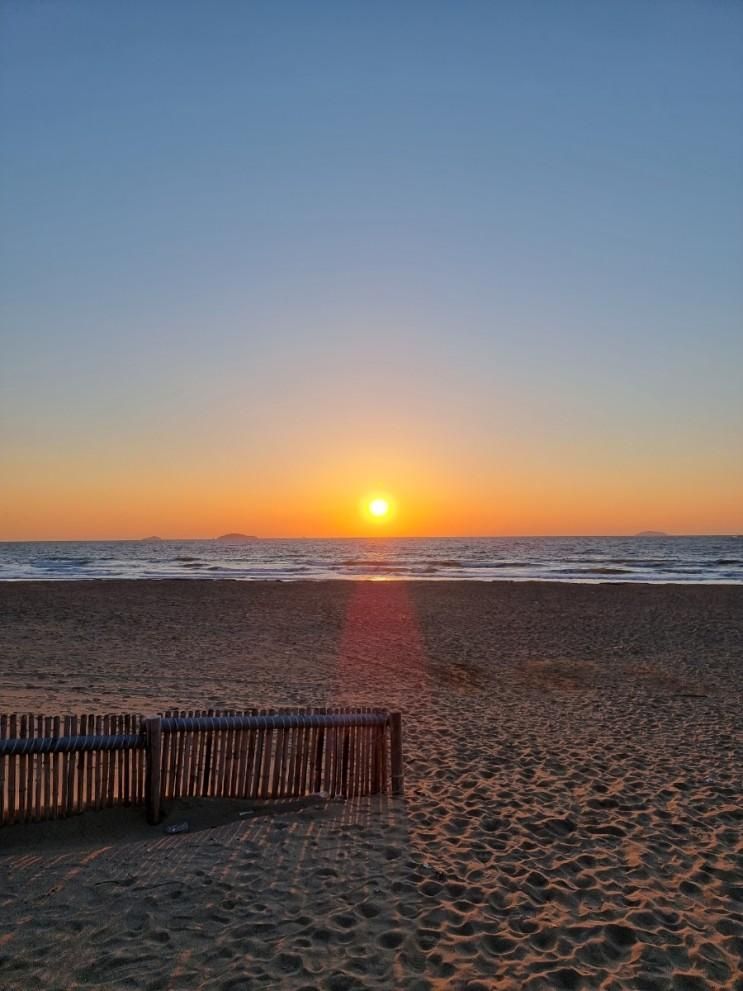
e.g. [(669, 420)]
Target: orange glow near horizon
[(310, 491)]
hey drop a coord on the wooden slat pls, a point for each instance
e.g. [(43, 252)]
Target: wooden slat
[(377, 740), (133, 766), (12, 764), (229, 761), (330, 760), (215, 758), (319, 782), (182, 758), (368, 764), (232, 762), (368, 759), (237, 763), (306, 780), (362, 761), (337, 757), (33, 772), (298, 758), (126, 764), (82, 766), (109, 768), (250, 763), (243, 744), (48, 772), (373, 754), (303, 776), (22, 770), (358, 735), (299, 754), (116, 760), (137, 786), (267, 739), (357, 768), (105, 762), (274, 785), (225, 765), (33, 769), (70, 770), (97, 795), (288, 772), (3, 771), (89, 782), (293, 756), (154, 768), (206, 780), (63, 775), (194, 747), (189, 762), (73, 771), (346, 769), (396, 766), (168, 740)]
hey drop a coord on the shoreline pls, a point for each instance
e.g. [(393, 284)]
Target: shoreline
[(385, 579)]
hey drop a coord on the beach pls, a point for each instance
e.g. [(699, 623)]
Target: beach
[(572, 813)]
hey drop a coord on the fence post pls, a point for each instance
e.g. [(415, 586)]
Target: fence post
[(153, 754), (398, 784)]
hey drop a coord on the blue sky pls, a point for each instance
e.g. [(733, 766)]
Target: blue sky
[(487, 232)]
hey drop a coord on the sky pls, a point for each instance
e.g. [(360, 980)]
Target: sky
[(259, 260)]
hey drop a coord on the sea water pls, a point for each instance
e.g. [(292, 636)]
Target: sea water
[(567, 559)]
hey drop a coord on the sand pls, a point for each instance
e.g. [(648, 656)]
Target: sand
[(572, 816)]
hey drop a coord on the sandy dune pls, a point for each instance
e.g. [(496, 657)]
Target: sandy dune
[(572, 816)]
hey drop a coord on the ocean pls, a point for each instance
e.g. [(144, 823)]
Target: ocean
[(566, 559)]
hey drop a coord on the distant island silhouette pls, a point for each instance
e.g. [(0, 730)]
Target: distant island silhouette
[(236, 538), (651, 533), (149, 539)]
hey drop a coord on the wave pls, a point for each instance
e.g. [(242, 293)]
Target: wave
[(608, 571), (594, 571)]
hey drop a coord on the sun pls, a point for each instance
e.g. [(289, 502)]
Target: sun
[(379, 508)]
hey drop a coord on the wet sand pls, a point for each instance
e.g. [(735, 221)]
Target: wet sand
[(572, 816)]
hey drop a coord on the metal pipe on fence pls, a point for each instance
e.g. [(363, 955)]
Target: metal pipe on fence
[(314, 719), (70, 744)]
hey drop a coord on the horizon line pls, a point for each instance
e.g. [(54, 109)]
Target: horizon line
[(366, 536)]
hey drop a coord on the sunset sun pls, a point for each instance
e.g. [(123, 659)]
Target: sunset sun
[(379, 508)]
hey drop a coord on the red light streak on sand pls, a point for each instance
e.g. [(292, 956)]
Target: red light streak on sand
[(381, 636)]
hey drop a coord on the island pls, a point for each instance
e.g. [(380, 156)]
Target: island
[(149, 540), (236, 538), (651, 533)]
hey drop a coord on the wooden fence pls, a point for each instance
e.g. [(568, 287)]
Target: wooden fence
[(52, 767)]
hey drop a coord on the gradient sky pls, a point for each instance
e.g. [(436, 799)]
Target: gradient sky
[(259, 259)]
